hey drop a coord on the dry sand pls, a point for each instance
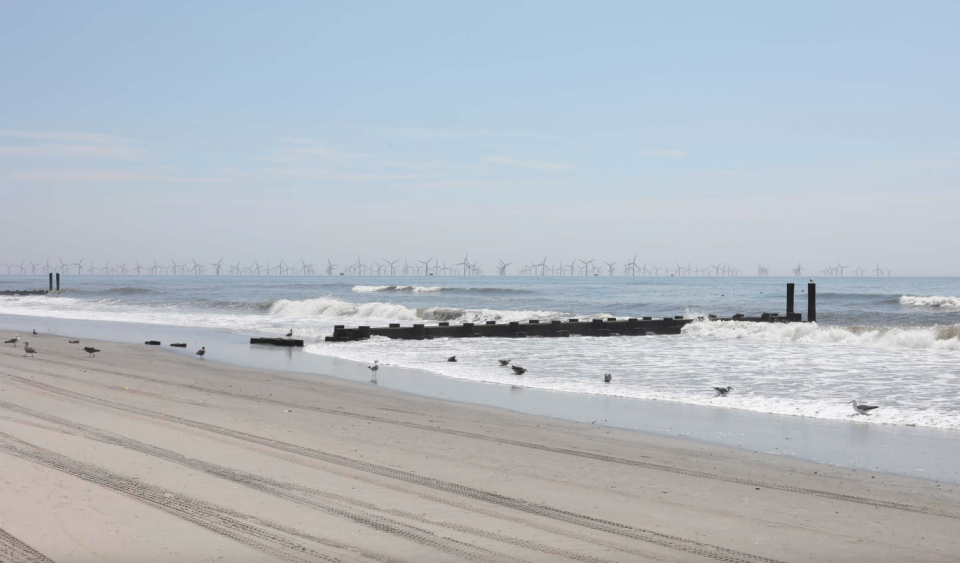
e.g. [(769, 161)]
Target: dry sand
[(140, 454)]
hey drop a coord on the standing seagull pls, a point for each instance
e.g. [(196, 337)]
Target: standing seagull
[(518, 370), (28, 349), (13, 341), (289, 334), (504, 363), (862, 409), (202, 351), (722, 391), (374, 368), (91, 350)]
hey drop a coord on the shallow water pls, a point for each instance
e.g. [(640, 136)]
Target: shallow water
[(890, 341)]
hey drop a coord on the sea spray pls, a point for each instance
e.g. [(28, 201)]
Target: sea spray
[(940, 337), (933, 302)]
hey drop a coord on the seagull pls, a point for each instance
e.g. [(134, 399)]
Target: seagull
[(34, 331), (862, 409), (607, 378), (91, 350), (202, 351), (504, 363), (289, 334), (374, 367), (13, 341), (74, 342), (28, 349), (811, 280), (518, 370), (452, 359), (722, 391)]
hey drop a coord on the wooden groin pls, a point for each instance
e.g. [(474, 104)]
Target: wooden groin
[(610, 326)]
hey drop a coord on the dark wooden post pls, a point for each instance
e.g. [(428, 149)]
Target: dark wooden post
[(58, 281), (790, 288), (812, 302), (51, 280)]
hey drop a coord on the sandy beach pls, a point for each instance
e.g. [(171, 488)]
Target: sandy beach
[(143, 455)]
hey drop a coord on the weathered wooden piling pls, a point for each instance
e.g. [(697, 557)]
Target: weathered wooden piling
[(811, 302), (58, 281), (790, 287), (51, 280)]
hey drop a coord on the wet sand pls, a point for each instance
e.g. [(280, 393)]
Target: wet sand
[(141, 454)]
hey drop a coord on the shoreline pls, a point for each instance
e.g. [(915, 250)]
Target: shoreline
[(270, 465), (919, 452)]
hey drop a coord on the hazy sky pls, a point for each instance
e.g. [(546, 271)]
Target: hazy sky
[(703, 132)]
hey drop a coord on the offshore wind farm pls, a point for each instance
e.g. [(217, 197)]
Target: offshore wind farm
[(402, 266)]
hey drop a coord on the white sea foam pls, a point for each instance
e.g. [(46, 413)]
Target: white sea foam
[(934, 302), (330, 307), (399, 288), (785, 377), (945, 337)]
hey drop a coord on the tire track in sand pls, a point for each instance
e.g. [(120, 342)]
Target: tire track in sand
[(13, 550), (518, 443), (648, 536), (307, 495)]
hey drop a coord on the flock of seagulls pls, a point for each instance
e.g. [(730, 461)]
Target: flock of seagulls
[(31, 351), (860, 409), (607, 378)]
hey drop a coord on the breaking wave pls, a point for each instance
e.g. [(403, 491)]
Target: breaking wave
[(935, 302), (432, 289), (330, 307), (939, 337)]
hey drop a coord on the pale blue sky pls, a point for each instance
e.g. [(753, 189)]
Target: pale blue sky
[(741, 132)]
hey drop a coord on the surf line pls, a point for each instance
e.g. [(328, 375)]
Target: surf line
[(611, 326)]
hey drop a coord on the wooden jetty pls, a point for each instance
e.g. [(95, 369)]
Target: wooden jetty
[(611, 326)]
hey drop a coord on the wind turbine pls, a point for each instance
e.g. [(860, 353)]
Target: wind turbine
[(610, 266), (878, 271), (330, 267), (841, 268), (217, 266)]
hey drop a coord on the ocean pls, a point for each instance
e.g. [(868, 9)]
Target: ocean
[(889, 341)]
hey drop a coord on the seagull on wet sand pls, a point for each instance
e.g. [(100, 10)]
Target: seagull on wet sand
[(722, 391), (607, 378), (28, 349), (34, 331), (201, 351), (91, 350), (13, 341), (504, 363), (862, 409), (374, 368), (452, 359), (289, 334), (518, 370)]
